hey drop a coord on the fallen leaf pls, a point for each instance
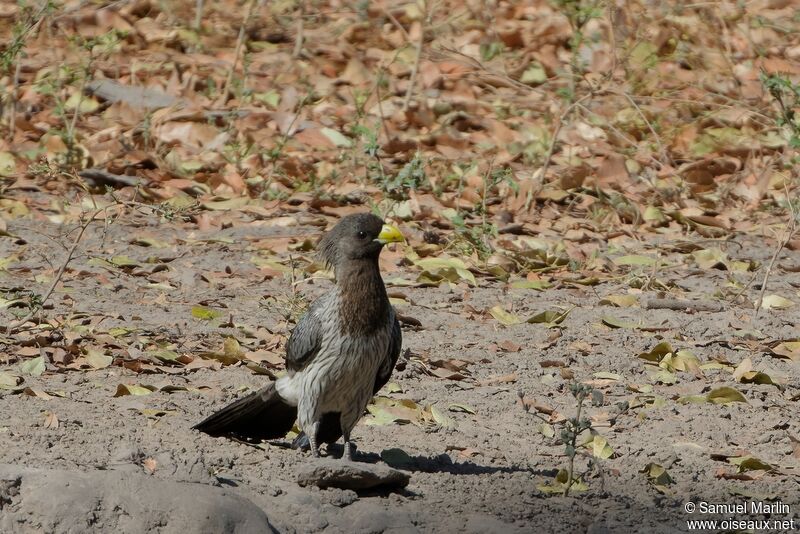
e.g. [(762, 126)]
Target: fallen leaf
[(133, 389), (725, 395), (33, 367)]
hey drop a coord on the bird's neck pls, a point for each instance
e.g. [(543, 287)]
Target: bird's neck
[(364, 304)]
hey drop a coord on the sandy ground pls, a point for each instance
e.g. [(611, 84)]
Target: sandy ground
[(483, 474)]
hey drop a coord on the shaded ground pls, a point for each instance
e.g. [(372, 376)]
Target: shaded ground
[(484, 475)]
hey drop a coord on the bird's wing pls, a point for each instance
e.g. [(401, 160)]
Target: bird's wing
[(306, 338), (386, 368)]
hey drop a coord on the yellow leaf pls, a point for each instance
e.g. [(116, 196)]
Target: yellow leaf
[(776, 302), (133, 389), (506, 318), (725, 395)]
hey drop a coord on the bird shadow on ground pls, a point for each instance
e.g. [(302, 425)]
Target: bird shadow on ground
[(441, 463)]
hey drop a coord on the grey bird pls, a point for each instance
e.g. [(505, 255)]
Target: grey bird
[(341, 352)]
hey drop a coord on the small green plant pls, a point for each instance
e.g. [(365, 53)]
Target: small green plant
[(26, 22), (476, 238), (578, 13), (787, 95), (489, 51), (54, 83), (573, 428)]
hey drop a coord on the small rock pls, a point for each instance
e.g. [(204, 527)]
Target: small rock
[(331, 473), (340, 498)]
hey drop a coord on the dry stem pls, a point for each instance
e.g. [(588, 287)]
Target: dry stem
[(237, 51), (59, 274)]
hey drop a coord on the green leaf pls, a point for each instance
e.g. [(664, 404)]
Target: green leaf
[(656, 353), (725, 395), (9, 381), (33, 367), (8, 166), (613, 322), (710, 258), (549, 318), (654, 215), (776, 302), (165, 355), (600, 447), (87, 103), (538, 285), (658, 476), (124, 261), (749, 463), (692, 399), (451, 269), (620, 301), (547, 430), (683, 360), (444, 420), (559, 484), (643, 56), (206, 314), (534, 74), (506, 318), (271, 98)]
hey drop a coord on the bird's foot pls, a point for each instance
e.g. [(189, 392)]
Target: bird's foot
[(349, 449)]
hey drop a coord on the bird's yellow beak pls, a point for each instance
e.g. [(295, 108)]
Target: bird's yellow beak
[(390, 234)]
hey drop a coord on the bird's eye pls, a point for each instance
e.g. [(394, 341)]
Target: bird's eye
[(362, 234)]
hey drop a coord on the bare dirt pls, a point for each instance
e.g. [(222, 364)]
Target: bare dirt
[(482, 474)]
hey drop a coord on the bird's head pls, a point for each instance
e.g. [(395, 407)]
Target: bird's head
[(355, 237)]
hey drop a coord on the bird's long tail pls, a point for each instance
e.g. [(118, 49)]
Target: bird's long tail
[(260, 415)]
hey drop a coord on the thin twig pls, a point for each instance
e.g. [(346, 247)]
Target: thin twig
[(198, 14), (37, 21), (661, 149), (548, 156), (396, 23), (412, 81), (59, 274), (632, 142), (380, 104), (73, 124), (239, 44), (790, 230), (14, 96), (298, 39)]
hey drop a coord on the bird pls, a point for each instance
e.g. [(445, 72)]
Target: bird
[(339, 355)]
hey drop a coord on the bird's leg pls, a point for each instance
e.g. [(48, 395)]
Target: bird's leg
[(312, 438), (347, 455), (347, 422)]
